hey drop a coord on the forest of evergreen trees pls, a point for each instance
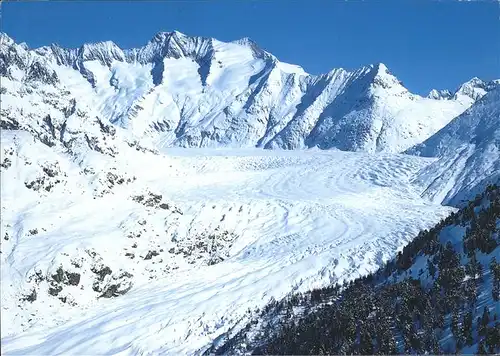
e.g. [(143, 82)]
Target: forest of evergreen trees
[(449, 305)]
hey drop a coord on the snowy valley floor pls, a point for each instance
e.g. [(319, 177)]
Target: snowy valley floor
[(241, 226)]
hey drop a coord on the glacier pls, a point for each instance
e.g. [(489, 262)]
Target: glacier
[(300, 219)]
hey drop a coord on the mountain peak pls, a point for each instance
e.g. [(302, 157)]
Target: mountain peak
[(270, 94), (177, 33), (245, 41), (105, 52), (160, 37), (474, 89), (439, 94), (381, 68), (5, 39), (88, 48), (377, 70), (383, 78), (475, 81), (163, 36), (256, 50)]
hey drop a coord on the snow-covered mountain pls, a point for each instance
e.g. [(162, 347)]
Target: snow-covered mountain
[(115, 241), (200, 92), (469, 153), (440, 94)]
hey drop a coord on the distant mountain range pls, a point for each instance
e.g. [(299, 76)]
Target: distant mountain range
[(180, 90)]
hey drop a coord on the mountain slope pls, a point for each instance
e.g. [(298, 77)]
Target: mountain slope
[(469, 153), (199, 92), (440, 295)]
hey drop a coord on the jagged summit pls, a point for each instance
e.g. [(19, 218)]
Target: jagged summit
[(381, 69), (257, 51), (384, 77), (475, 88), (245, 41), (440, 94), (470, 91), (196, 91), (170, 33), (378, 69), (5, 39), (173, 44), (104, 52)]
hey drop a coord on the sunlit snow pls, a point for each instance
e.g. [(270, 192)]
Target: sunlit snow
[(302, 220)]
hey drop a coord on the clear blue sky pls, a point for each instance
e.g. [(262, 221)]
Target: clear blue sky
[(426, 44)]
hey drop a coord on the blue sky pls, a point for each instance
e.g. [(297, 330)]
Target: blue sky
[(426, 44)]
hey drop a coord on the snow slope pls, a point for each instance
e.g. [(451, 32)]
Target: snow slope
[(279, 220), (469, 154), (189, 91)]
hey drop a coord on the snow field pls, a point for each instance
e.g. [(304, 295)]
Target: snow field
[(300, 220)]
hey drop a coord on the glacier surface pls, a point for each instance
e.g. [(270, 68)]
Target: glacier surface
[(293, 220)]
